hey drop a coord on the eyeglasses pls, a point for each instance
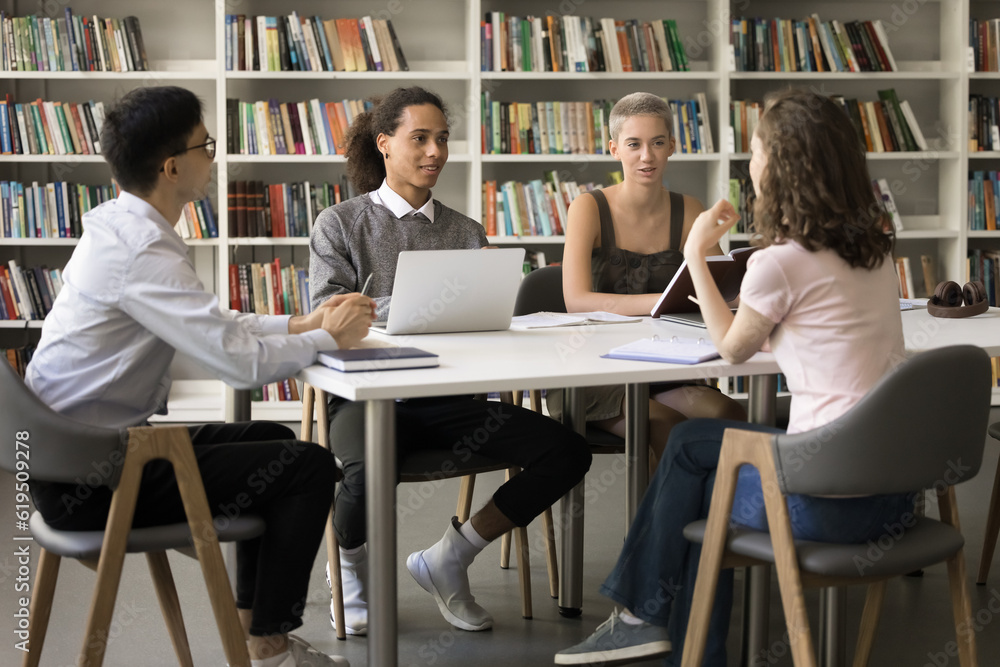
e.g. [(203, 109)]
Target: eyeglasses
[(209, 147)]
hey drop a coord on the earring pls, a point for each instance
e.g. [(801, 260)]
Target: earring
[(386, 156)]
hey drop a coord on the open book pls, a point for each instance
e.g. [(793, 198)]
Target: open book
[(674, 350), (544, 319), (727, 270)]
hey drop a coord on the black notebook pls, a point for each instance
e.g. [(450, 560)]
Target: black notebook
[(378, 359)]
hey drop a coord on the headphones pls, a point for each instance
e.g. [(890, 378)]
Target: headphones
[(949, 297)]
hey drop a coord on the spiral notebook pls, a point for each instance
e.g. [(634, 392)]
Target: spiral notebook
[(673, 350)]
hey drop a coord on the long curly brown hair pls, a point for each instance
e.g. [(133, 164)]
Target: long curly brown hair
[(815, 188), (365, 164)]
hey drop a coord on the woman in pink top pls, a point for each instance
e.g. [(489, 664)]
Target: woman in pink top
[(822, 295)]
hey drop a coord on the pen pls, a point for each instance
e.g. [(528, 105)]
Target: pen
[(368, 281)]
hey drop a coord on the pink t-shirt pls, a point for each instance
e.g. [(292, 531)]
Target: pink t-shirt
[(838, 328)]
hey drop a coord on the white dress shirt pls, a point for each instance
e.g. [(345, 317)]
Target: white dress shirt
[(131, 298), (389, 198)]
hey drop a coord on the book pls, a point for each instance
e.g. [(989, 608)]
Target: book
[(378, 359), (727, 270), (546, 320), (674, 350)]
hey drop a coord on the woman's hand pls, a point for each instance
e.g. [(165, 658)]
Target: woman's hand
[(709, 228)]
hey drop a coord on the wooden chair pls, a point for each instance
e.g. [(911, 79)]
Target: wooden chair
[(59, 449), (908, 433), (420, 466), (993, 519)]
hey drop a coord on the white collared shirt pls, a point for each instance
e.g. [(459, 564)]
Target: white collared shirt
[(131, 297), (386, 196)]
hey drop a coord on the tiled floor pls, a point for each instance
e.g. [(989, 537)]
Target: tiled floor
[(915, 630)]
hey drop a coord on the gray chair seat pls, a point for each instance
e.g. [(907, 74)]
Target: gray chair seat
[(926, 543), (86, 544)]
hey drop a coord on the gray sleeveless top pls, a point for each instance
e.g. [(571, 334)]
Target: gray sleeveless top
[(625, 272)]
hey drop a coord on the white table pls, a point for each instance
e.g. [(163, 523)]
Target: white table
[(517, 360)]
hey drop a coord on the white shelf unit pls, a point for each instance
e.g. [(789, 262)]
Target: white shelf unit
[(442, 44)]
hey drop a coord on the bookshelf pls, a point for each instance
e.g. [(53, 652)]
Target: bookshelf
[(441, 40)]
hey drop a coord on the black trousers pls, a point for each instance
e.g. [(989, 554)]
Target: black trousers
[(553, 458), (255, 468)]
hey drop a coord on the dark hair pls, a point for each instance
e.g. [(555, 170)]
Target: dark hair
[(143, 129), (365, 165), (815, 188)]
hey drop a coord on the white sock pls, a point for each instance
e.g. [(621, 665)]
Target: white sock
[(273, 661), (474, 538), (625, 616), (352, 556)]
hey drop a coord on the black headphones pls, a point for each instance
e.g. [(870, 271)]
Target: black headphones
[(948, 300)]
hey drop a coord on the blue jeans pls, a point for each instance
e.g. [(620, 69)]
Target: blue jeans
[(656, 571)]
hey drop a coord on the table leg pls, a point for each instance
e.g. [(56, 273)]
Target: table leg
[(757, 582), (571, 574), (380, 482), (636, 447), (833, 627)]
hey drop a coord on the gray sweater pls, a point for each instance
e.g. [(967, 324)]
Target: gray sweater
[(358, 237)]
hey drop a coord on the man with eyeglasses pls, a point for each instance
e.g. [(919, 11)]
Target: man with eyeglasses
[(131, 298)]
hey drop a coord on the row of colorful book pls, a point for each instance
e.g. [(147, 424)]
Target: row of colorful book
[(280, 209), (197, 221), (564, 43), (741, 196), (810, 45), (72, 43), (885, 125), (535, 208), (27, 294), (579, 128), (50, 128), (984, 123), (312, 44), (984, 200), (49, 210), (984, 41), (743, 118), (268, 127), (984, 265), (883, 193)]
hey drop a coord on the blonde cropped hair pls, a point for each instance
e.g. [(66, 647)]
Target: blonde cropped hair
[(639, 104)]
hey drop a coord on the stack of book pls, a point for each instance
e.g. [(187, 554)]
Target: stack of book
[(535, 208), (984, 118), (312, 44), (579, 127), (72, 43), (984, 265), (49, 210), (270, 289), (268, 127), (885, 125), (280, 209), (743, 118), (27, 294), (984, 40), (197, 221), (50, 128), (810, 45), (984, 200), (579, 44)]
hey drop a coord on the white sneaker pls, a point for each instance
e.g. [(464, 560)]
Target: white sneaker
[(353, 580), (442, 571), (302, 654)]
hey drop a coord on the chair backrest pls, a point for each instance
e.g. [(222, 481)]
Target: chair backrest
[(56, 448), (541, 290), (922, 426)]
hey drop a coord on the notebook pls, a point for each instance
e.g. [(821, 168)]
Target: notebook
[(378, 359), (674, 350), (727, 270), (546, 320), (448, 291)]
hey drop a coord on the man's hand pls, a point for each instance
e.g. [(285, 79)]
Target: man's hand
[(348, 321), (314, 320), (708, 228)]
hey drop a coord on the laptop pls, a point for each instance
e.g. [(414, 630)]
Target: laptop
[(449, 291)]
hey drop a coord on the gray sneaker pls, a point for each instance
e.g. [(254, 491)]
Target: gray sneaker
[(616, 641), (304, 655)]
